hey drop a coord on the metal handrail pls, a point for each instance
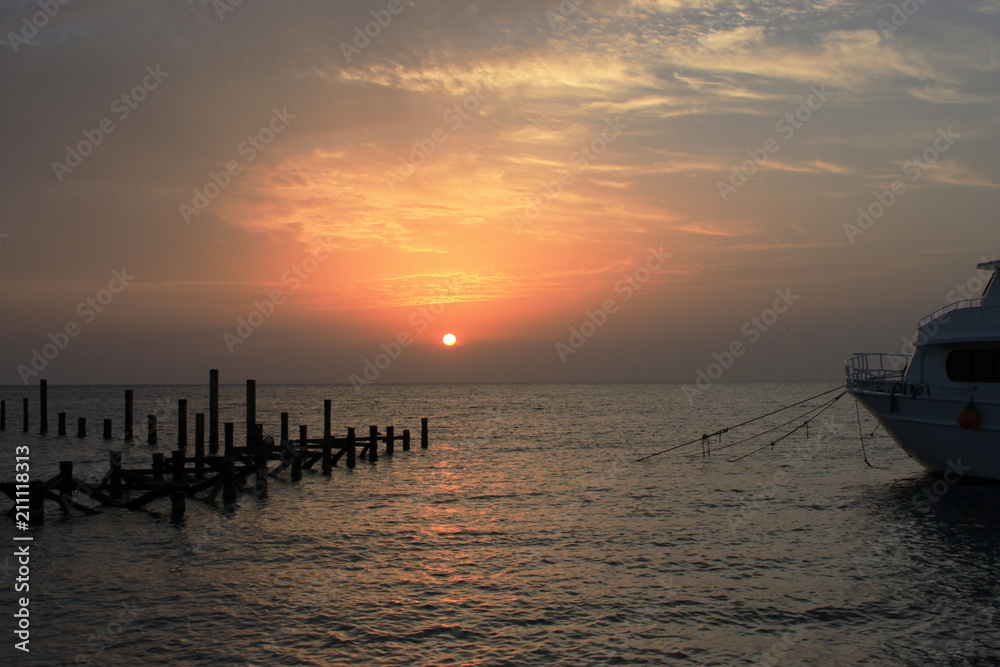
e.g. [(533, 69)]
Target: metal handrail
[(890, 367), (957, 305)]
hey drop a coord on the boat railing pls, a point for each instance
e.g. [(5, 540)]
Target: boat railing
[(875, 371), (951, 307)]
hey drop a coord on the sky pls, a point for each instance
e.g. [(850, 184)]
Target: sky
[(688, 191)]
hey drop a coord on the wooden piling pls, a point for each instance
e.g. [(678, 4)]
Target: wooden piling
[(61, 426), (81, 427), (158, 466), (251, 413), (229, 490), (352, 453), (264, 447), (327, 455), (199, 444), (107, 429), (297, 461), (151, 429), (129, 402), (284, 427), (327, 416), (66, 485), (3, 415), (390, 444), (406, 439), (25, 415), (115, 480), (228, 448), (372, 444), (177, 491), (182, 423), (43, 407), (36, 503), (423, 433), (213, 410)]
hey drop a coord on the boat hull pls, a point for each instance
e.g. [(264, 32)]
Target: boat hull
[(927, 429)]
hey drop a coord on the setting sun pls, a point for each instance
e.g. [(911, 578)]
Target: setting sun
[(449, 339)]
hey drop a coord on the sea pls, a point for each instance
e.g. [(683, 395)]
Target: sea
[(527, 533)]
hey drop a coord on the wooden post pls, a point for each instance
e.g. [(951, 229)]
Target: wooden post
[(264, 446), (25, 415), (61, 428), (129, 400), (229, 467), (151, 429), (3, 415), (36, 502), (327, 455), (372, 444), (107, 429), (43, 406), (177, 492), (199, 444), (297, 461), (406, 439), (251, 413), (66, 485), (423, 432), (284, 427), (158, 466), (115, 461), (390, 437), (81, 427), (352, 453), (327, 437), (182, 423), (213, 410)]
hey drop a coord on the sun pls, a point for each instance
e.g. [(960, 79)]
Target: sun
[(449, 339)]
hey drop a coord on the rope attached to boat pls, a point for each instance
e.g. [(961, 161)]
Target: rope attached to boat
[(861, 435), (750, 421)]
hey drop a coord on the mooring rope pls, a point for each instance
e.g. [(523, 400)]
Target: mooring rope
[(861, 435), (821, 407), (804, 424), (749, 421)]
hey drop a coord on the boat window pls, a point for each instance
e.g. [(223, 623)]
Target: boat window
[(974, 365)]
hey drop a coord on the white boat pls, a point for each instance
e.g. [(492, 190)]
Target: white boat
[(941, 404)]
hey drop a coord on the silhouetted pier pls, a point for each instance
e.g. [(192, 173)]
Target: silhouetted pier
[(204, 474)]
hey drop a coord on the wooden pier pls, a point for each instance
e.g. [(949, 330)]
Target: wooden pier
[(199, 475)]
